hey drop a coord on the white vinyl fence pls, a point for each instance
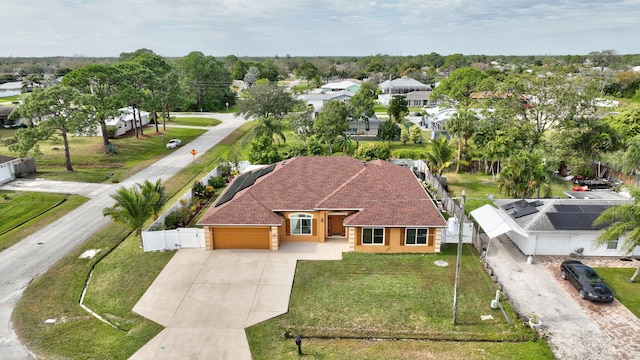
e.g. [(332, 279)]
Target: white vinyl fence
[(180, 238)]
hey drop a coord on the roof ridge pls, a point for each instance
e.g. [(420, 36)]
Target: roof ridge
[(343, 185)]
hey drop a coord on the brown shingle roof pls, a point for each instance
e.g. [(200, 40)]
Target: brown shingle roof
[(385, 194)]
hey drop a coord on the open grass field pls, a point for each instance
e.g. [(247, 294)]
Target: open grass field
[(23, 213), (627, 293), (404, 301)]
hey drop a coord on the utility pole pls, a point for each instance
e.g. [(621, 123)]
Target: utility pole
[(456, 288)]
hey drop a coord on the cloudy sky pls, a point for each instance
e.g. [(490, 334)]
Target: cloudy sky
[(319, 27)]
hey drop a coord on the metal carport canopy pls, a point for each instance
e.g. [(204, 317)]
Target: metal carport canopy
[(495, 222)]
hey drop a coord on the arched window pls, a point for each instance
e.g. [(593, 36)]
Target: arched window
[(301, 224)]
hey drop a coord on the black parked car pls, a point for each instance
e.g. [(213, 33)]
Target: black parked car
[(586, 280)]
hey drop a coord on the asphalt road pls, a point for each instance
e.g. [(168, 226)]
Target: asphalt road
[(35, 254)]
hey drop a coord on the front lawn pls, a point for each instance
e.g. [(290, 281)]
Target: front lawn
[(627, 293), (404, 301), (90, 162), (194, 121), (24, 213)]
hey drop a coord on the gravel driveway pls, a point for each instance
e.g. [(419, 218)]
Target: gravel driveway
[(575, 329)]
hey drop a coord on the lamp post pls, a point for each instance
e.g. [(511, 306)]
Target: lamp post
[(227, 104), (458, 260)]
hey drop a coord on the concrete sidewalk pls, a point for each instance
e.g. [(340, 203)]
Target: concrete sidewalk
[(205, 299)]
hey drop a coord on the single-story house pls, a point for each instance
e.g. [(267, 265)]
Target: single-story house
[(374, 206), (345, 85), (317, 100), (362, 128), (124, 122), (551, 226), (420, 99), (5, 111), (399, 86), (7, 172)]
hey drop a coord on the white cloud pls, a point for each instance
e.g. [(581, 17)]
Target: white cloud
[(320, 27)]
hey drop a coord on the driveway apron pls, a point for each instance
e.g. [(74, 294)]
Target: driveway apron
[(205, 299)]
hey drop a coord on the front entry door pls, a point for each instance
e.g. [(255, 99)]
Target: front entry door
[(336, 225)]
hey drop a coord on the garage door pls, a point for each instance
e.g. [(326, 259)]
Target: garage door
[(241, 238)]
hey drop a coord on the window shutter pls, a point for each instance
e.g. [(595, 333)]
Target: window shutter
[(287, 227)]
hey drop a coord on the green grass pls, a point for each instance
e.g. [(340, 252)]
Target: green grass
[(77, 334), (627, 293), (92, 165), (24, 213), (195, 121), (382, 296), (478, 186)]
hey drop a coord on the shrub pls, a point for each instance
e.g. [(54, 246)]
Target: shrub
[(295, 150), (224, 169), (216, 181), (111, 132), (111, 149), (370, 152)]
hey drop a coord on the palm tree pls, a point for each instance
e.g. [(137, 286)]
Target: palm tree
[(149, 190), (133, 207), (269, 126), (524, 175), (462, 125), (440, 154), (623, 221), (345, 143)]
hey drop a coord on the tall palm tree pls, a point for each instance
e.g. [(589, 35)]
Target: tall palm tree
[(149, 191), (624, 221), (269, 126), (462, 125), (133, 207), (440, 154)]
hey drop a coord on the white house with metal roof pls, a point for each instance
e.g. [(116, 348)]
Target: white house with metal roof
[(551, 226)]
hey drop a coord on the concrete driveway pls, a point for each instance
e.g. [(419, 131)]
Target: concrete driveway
[(205, 299)]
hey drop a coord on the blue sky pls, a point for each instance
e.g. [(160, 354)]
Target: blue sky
[(319, 27)]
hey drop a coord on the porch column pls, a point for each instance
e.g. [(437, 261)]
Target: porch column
[(351, 238), (274, 238)]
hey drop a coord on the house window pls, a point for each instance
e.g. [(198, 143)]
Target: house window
[(612, 244), (373, 236), (416, 236), (300, 224)]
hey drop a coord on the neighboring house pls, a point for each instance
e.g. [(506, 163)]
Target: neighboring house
[(317, 100), (363, 128), (5, 111), (374, 206), (124, 122), (345, 85), (7, 172), (420, 99), (551, 226), (11, 88), (399, 86)]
